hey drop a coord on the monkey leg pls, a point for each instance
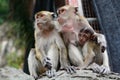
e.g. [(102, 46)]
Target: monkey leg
[(101, 64), (104, 68), (53, 56), (35, 66), (75, 55)]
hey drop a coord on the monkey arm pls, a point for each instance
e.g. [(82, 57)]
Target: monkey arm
[(103, 43), (88, 54), (43, 58), (105, 59), (40, 54), (64, 57), (84, 20), (63, 52), (84, 23)]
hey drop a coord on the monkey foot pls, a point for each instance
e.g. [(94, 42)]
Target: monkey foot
[(99, 69), (71, 70), (51, 73)]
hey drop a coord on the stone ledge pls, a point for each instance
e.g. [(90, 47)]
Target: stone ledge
[(8, 73)]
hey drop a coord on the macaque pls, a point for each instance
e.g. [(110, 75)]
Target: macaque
[(94, 51), (49, 48), (71, 23)]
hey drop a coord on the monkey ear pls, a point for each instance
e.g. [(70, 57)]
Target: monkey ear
[(51, 13), (35, 16), (58, 10)]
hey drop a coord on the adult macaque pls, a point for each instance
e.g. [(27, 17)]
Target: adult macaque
[(49, 48), (71, 23), (94, 51)]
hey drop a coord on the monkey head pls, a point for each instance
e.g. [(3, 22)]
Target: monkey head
[(43, 20), (67, 18), (84, 35), (67, 8), (65, 13)]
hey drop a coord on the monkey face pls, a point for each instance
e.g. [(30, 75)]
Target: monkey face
[(83, 38), (43, 20), (67, 18), (84, 35)]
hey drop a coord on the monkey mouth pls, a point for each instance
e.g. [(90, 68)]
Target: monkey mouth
[(68, 27)]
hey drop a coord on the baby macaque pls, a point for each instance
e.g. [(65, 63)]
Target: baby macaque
[(94, 51), (49, 48)]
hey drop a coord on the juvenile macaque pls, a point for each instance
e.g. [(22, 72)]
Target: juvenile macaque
[(94, 51), (49, 48), (71, 23)]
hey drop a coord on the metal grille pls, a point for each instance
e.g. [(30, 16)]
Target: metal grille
[(89, 13), (95, 26)]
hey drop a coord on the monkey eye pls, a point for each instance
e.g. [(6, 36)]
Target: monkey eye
[(61, 11), (40, 15), (39, 24)]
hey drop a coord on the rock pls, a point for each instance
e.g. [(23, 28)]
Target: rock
[(83, 75), (8, 73)]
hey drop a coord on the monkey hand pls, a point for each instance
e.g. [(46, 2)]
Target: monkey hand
[(104, 70), (99, 69), (51, 73), (47, 63), (95, 67), (70, 69)]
